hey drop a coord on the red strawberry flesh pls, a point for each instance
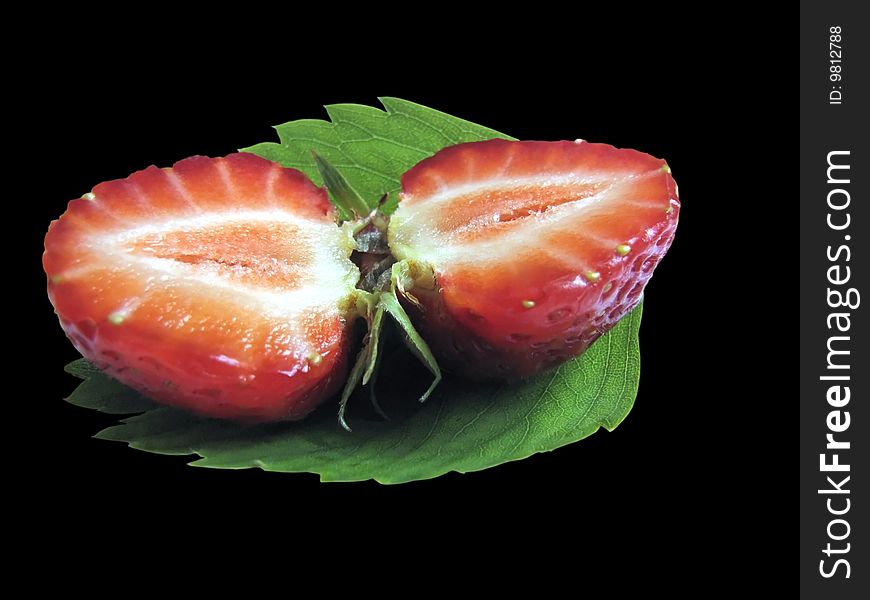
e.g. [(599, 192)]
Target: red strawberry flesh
[(222, 286), (537, 248)]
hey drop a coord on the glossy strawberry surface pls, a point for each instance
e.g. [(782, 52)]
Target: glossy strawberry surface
[(536, 248), (220, 285)]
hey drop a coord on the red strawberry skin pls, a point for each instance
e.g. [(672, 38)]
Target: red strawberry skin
[(222, 286), (537, 248)]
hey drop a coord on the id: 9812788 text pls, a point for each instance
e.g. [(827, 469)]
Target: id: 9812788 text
[(835, 69)]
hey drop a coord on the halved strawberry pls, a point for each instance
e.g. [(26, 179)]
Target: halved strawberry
[(520, 254), (222, 286)]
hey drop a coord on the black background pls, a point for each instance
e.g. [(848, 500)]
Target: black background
[(692, 483)]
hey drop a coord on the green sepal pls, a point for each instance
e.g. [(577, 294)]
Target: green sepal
[(341, 193), (390, 301)]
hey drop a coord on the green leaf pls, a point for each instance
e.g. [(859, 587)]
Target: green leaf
[(101, 393), (463, 427), (370, 147)]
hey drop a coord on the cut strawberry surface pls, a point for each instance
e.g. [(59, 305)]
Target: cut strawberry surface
[(222, 286), (537, 248)]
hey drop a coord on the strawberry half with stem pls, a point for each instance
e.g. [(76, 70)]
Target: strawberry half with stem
[(222, 286), (516, 256)]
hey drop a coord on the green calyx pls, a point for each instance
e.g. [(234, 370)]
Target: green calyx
[(382, 279), (373, 305)]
